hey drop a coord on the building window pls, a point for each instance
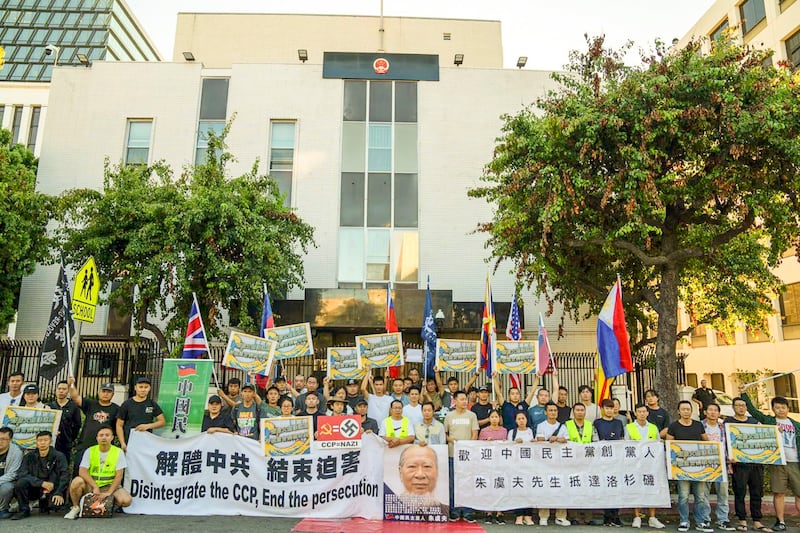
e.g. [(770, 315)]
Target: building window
[(378, 211), (33, 131), (699, 338), (16, 124), (213, 110), (718, 382), (281, 156), (691, 380), (790, 311), (719, 31), (757, 334), (2, 114), (793, 49), (786, 386), (137, 148), (752, 12)]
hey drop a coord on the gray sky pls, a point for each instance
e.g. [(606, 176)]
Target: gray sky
[(543, 30)]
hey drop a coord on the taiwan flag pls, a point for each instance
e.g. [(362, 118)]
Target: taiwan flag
[(391, 326), (186, 369), (612, 335)]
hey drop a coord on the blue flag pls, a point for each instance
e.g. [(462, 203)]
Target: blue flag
[(428, 333)]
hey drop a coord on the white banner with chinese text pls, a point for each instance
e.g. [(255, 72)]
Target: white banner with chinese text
[(611, 474), (221, 474)]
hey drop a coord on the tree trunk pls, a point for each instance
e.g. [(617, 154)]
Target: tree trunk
[(666, 356)]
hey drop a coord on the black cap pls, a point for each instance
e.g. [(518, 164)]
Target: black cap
[(143, 379), (280, 378), (107, 386), (214, 399), (483, 388), (362, 401), (352, 382), (248, 386), (30, 388)]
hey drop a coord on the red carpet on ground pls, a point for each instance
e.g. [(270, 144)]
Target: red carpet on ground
[(359, 525)]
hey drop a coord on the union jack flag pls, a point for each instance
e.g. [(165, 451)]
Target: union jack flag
[(195, 346), (514, 333)]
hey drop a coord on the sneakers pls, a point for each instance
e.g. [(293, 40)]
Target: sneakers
[(543, 522), (725, 526), (655, 523), (499, 520), (637, 522), (19, 515), (470, 519), (779, 526), (518, 521), (614, 522), (563, 522), (527, 520), (684, 526), (705, 527), (73, 513), (489, 520)]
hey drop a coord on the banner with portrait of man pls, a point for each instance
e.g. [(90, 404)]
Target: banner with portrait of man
[(416, 483)]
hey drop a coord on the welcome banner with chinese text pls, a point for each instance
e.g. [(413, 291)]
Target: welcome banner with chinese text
[(221, 474), (613, 474)]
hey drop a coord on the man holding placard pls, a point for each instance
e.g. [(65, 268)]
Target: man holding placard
[(747, 476)]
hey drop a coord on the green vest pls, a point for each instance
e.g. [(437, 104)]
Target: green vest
[(635, 434), (575, 436), (103, 474), (390, 428)]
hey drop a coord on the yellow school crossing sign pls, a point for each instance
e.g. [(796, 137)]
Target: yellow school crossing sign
[(86, 292)]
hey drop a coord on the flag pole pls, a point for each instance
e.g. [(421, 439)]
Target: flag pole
[(768, 378), (200, 316)]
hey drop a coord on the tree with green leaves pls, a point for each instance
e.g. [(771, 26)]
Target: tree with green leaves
[(157, 239), (680, 174), (23, 222)]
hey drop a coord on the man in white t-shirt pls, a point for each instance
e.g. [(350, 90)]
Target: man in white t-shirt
[(14, 394), (551, 430), (378, 402), (716, 433), (586, 395), (414, 409)]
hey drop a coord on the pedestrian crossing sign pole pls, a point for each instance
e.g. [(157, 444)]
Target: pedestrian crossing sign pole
[(86, 292)]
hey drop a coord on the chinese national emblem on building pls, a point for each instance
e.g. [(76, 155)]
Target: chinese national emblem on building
[(380, 65)]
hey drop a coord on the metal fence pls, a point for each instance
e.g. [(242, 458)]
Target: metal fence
[(124, 360)]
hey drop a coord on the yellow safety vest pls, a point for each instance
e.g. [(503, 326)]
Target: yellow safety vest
[(635, 434), (103, 474), (575, 436), (390, 428)]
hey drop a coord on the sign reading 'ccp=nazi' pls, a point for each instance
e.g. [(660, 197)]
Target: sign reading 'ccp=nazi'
[(86, 292)]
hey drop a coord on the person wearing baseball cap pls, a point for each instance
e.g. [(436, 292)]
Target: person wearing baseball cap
[(30, 397), (217, 421), (247, 415), (138, 413), (98, 413), (352, 387), (483, 408), (368, 425)]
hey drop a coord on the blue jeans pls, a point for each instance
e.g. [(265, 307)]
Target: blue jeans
[(702, 511), (722, 500), (455, 512)]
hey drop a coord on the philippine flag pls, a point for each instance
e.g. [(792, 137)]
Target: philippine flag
[(186, 369), (612, 335)]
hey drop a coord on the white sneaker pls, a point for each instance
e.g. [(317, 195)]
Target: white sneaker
[(73, 513), (637, 522), (543, 522), (563, 522), (655, 523)]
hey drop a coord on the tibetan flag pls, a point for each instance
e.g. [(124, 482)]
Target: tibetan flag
[(186, 369), (428, 334), (545, 363), (602, 386), (267, 322), (195, 346), (514, 333), (488, 331), (612, 335), (391, 327)]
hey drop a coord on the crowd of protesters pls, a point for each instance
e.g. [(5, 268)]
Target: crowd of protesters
[(401, 411)]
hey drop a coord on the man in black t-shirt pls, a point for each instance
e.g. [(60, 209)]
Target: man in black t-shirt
[(70, 423), (609, 427), (703, 397), (217, 421), (482, 407), (685, 428), (655, 413), (139, 413), (98, 413)]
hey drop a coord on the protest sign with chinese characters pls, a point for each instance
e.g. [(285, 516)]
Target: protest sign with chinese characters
[(291, 341), (219, 474), (504, 475), (249, 353), (344, 363), (381, 350), (416, 482), (457, 355), (26, 422), (515, 357), (182, 395), (751, 443), (695, 460), (286, 435)]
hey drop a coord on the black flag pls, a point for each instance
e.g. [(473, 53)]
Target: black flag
[(57, 336)]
